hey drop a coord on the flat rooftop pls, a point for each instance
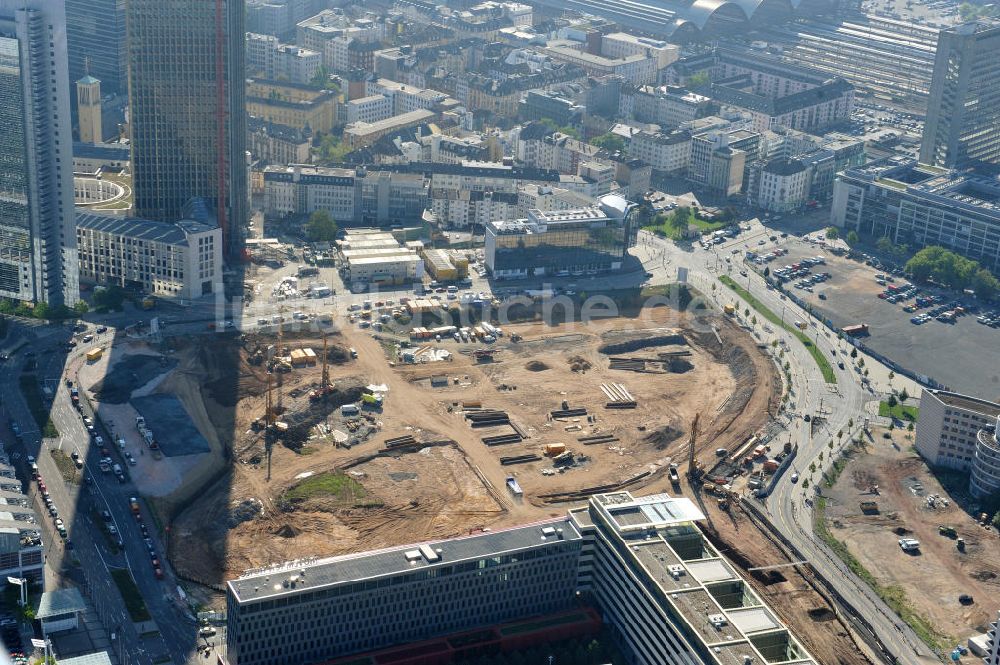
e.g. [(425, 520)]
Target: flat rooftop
[(295, 576), (981, 406)]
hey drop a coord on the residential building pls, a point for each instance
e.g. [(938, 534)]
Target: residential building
[(88, 109), (279, 17), (179, 259), (958, 432), (38, 261), (565, 242), (783, 186), (372, 108), (406, 98), (188, 110), (550, 105), (921, 205), (271, 143), (638, 69), (261, 53), (670, 106), (293, 105), (352, 196), (719, 159), (963, 117), (360, 134), (623, 44), (666, 593), (22, 553), (667, 154), (96, 40)]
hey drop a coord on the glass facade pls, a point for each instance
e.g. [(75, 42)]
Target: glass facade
[(572, 247), (95, 32), (963, 116), (179, 149), (15, 221)]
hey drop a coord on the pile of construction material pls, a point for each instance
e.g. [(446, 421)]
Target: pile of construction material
[(619, 396), (594, 439), (502, 439), (520, 459), (487, 417), (663, 362), (631, 364), (567, 412)]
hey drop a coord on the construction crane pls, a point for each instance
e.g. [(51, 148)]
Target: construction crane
[(694, 471), (325, 387)]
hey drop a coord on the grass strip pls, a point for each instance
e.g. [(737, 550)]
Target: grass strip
[(134, 603), (824, 365), (33, 396), (893, 595)]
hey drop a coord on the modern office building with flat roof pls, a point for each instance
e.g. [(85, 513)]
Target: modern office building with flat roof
[(561, 242), (963, 115), (38, 261), (959, 432), (921, 205), (665, 593)]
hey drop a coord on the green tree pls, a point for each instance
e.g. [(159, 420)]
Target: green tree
[(610, 141), (892, 401), (109, 299), (985, 284), (321, 227), (321, 79), (331, 150), (854, 352), (832, 233), (698, 79), (885, 245), (852, 238), (903, 395), (81, 307)]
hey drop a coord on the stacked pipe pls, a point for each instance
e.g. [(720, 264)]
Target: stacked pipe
[(487, 418), (568, 413), (519, 459), (502, 439), (597, 438)]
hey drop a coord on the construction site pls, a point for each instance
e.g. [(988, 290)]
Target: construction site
[(885, 494), (322, 444)]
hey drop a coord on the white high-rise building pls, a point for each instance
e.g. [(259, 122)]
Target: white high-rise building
[(38, 260)]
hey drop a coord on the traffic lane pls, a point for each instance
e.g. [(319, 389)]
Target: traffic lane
[(138, 559)]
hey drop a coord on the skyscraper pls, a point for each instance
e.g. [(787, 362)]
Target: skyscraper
[(188, 120), (963, 114), (95, 34), (38, 261)]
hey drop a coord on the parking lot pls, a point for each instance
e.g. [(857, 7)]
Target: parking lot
[(951, 353)]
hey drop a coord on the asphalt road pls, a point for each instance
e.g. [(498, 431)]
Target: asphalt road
[(789, 507), (80, 505)]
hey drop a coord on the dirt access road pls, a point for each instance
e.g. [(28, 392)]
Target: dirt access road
[(933, 579)]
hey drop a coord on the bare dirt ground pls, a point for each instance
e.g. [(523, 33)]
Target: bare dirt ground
[(243, 522), (462, 487), (933, 579), (792, 591)]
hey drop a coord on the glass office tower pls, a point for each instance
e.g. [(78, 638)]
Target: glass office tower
[(188, 119), (963, 114), (95, 33), (37, 226)]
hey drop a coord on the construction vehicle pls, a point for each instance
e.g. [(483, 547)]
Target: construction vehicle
[(869, 506), (694, 470), (947, 531), (960, 544), (675, 478), (325, 387)]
